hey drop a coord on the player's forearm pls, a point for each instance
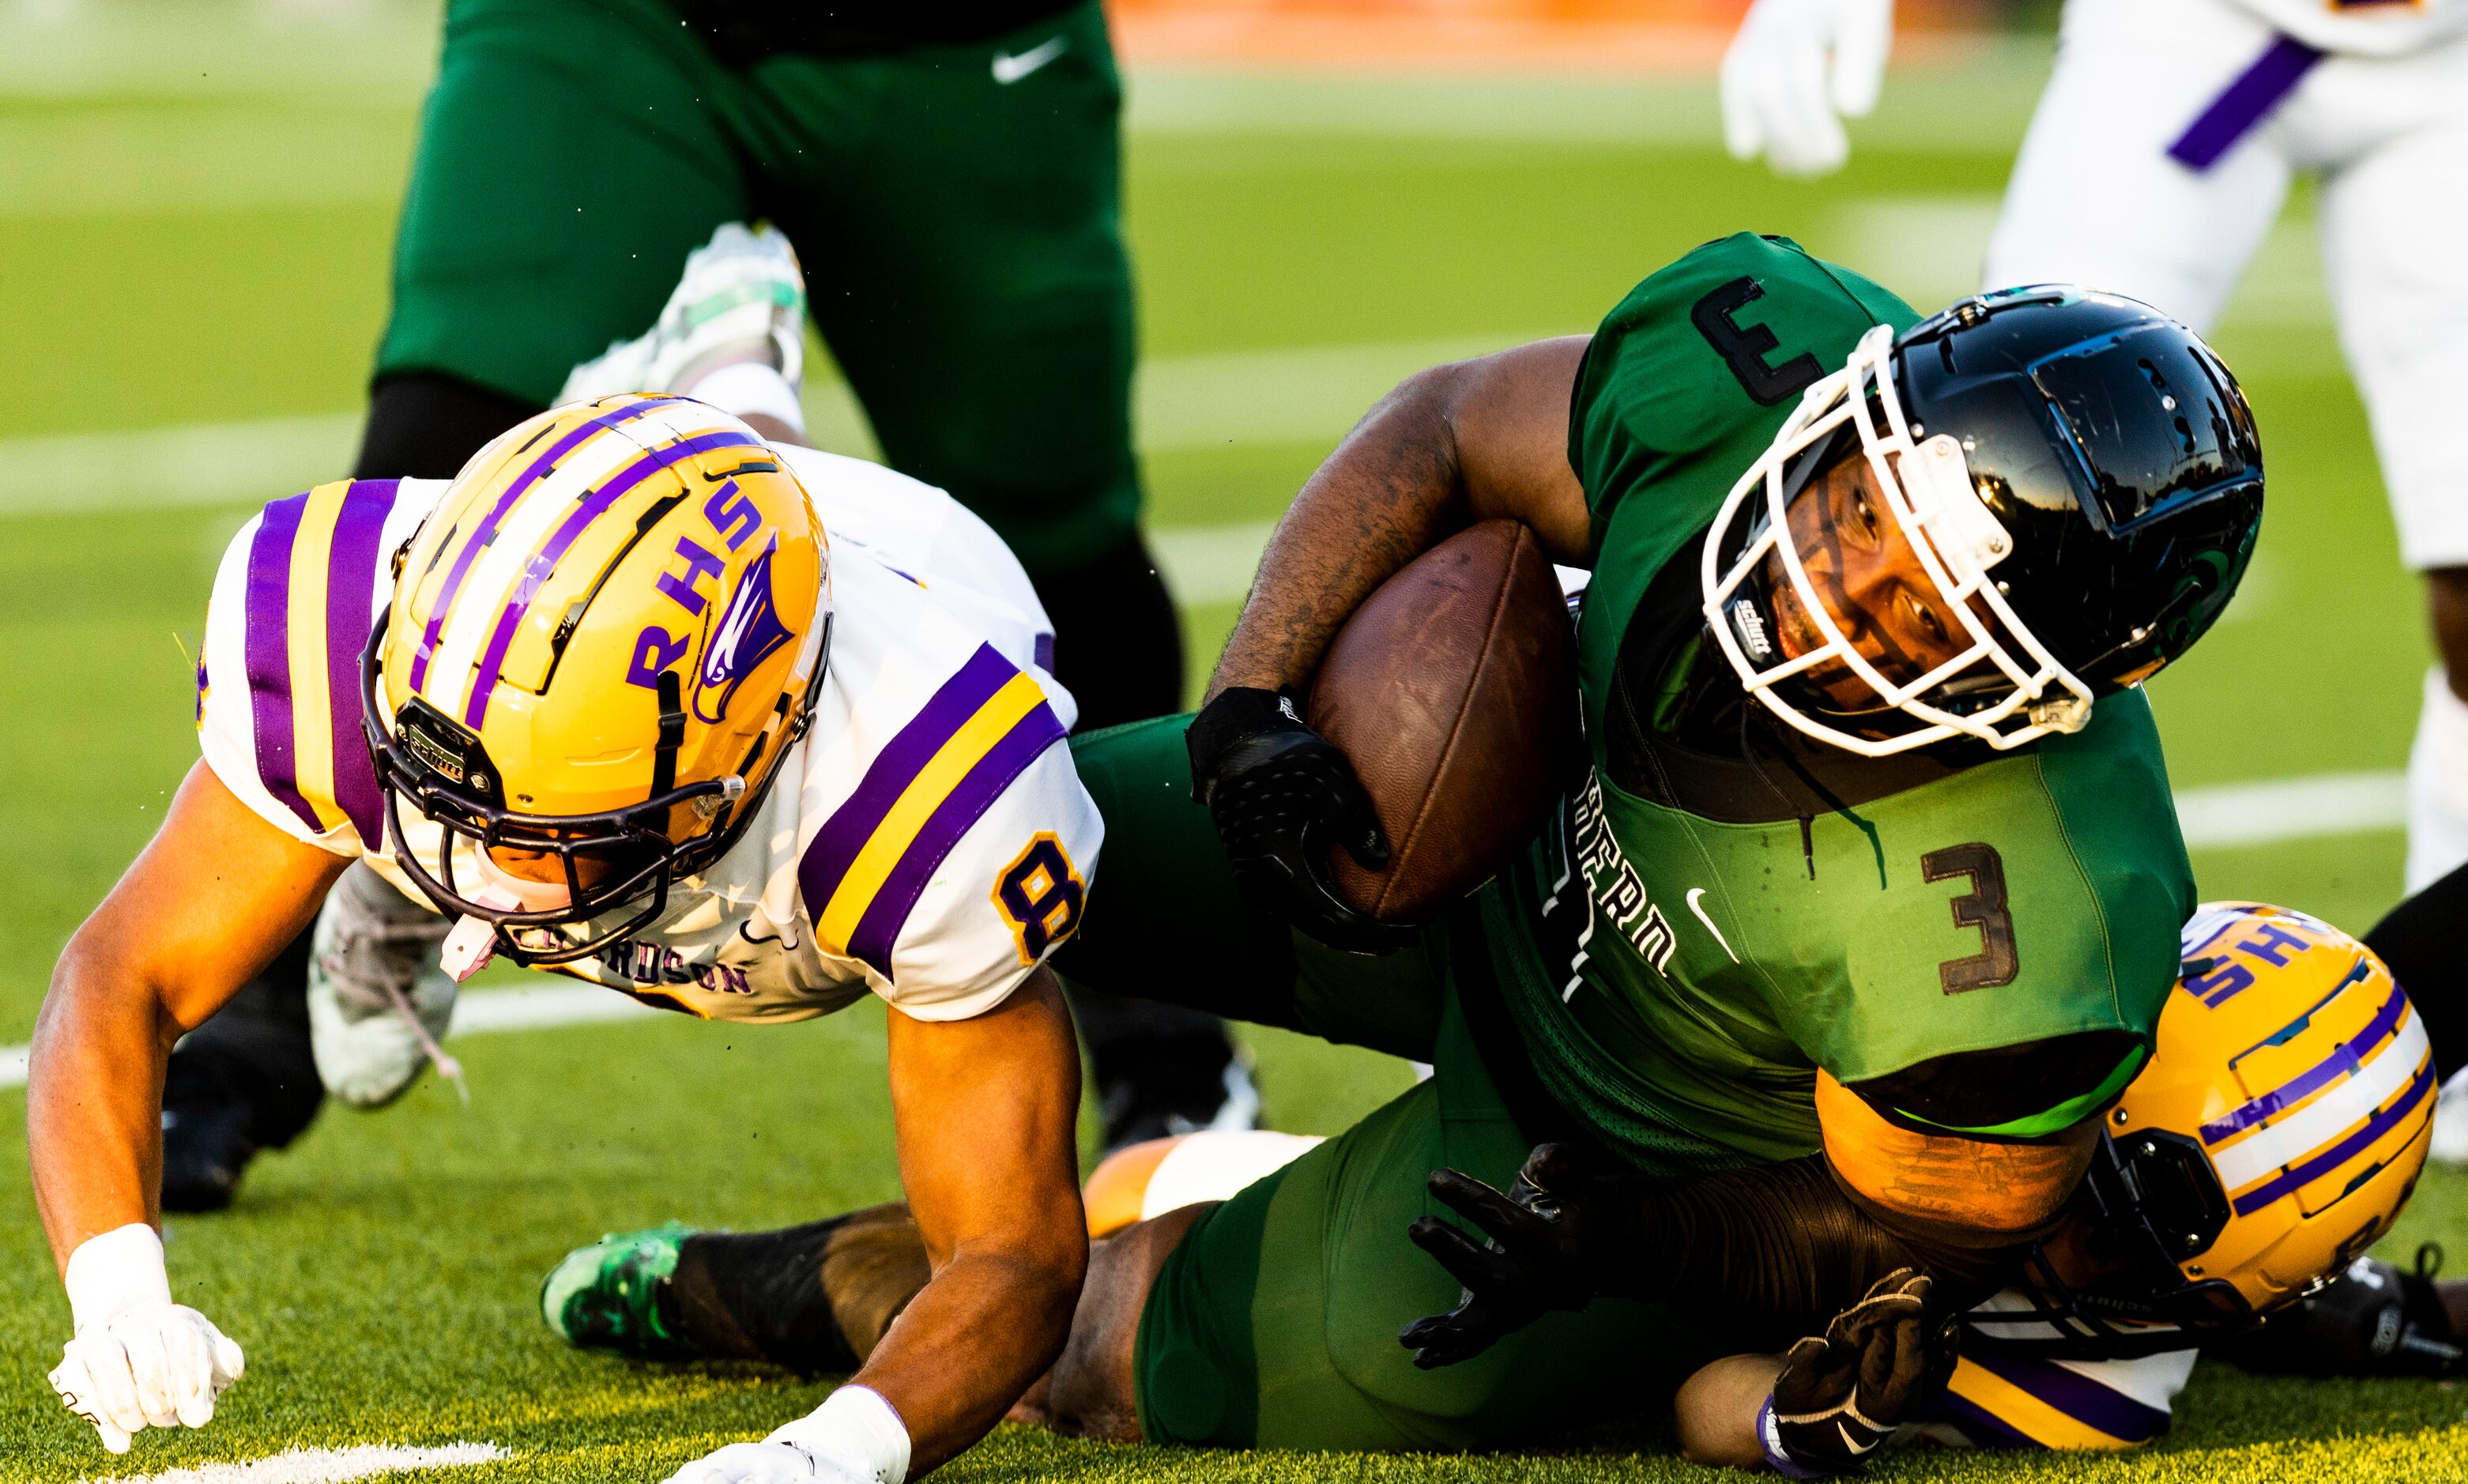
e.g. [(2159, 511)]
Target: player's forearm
[(1388, 494), (94, 1100), (970, 1344), (1781, 1246)]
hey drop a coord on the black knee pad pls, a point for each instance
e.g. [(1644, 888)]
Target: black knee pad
[(1117, 640), (425, 424)]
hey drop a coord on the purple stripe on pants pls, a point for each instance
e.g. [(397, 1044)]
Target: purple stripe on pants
[(535, 571), (2070, 1392), (267, 648), (2245, 102), (351, 581), (487, 530), (1983, 1427), (836, 846), (878, 930)]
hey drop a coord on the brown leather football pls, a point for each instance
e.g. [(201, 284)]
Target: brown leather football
[(1453, 693)]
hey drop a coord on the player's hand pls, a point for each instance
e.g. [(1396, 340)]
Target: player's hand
[(769, 1462), (1535, 1261), (1794, 71), (1842, 1394), (150, 1367), (1281, 795)]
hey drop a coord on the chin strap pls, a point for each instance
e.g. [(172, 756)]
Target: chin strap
[(673, 733)]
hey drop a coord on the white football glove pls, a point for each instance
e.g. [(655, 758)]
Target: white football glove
[(769, 1463), (1781, 98), (854, 1437), (150, 1367)]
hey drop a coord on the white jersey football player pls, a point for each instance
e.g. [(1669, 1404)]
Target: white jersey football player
[(2158, 158), (646, 698)]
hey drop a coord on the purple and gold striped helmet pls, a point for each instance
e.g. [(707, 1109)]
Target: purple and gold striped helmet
[(600, 647)]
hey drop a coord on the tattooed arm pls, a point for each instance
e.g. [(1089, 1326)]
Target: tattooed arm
[(1454, 445)]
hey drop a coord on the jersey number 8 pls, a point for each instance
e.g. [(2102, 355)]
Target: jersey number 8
[(1040, 896)]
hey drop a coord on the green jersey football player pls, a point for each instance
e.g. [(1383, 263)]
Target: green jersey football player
[(1870, 893)]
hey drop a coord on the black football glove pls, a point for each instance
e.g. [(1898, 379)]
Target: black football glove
[(1281, 795), (1536, 1260), (2373, 1319), (1843, 1393)]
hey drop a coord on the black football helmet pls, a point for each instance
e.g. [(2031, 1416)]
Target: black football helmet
[(2080, 477)]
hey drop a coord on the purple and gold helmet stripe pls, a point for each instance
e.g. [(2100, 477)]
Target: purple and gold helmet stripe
[(310, 584), (586, 512), (865, 868), (2346, 1060), (477, 539), (2311, 1126)]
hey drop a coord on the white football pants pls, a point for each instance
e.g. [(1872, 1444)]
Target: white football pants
[(2098, 199)]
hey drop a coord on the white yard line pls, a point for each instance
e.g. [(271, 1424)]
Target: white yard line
[(1303, 394), (2221, 816), (323, 1465)]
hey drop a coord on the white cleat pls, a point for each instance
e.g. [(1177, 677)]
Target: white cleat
[(2450, 1142), (742, 297), (379, 1000)]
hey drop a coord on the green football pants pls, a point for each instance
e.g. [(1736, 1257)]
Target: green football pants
[(959, 225), (1274, 1324)]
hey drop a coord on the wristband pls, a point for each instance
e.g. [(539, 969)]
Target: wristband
[(115, 1274), (856, 1425), (1770, 1438), (750, 387)]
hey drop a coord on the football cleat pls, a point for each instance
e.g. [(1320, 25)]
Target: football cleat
[(606, 1296), (379, 1004), (742, 297), (206, 1149), (2451, 1122)]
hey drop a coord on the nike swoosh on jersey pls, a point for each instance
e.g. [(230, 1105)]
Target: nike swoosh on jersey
[(1009, 70), (1694, 894)]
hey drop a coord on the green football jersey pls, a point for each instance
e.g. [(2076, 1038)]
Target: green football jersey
[(1681, 947)]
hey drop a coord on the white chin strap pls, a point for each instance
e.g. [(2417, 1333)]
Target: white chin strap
[(1956, 537)]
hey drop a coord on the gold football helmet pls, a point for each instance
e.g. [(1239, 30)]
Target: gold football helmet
[(600, 647), (2275, 1134)]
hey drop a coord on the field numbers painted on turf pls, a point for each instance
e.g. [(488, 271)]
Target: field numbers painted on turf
[(1983, 907), (1040, 897), (1743, 348)]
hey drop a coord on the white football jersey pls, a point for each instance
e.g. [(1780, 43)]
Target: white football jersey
[(929, 839), (2002, 1394), (2363, 28)]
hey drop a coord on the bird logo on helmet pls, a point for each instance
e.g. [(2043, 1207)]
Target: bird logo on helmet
[(2078, 477), (599, 649), (2275, 1134)]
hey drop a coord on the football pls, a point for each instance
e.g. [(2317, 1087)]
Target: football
[(1453, 693)]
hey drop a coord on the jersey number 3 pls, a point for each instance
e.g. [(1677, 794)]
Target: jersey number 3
[(1983, 907), (1040, 897)]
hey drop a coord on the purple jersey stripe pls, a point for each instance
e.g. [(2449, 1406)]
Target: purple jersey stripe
[(2346, 1150), (836, 846), (267, 651), (487, 529), (2070, 1392), (1041, 650), (351, 582), (878, 930), (1983, 1426), (593, 505), (2245, 102), (2344, 1060)]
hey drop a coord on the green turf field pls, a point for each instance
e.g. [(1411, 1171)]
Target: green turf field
[(195, 210)]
